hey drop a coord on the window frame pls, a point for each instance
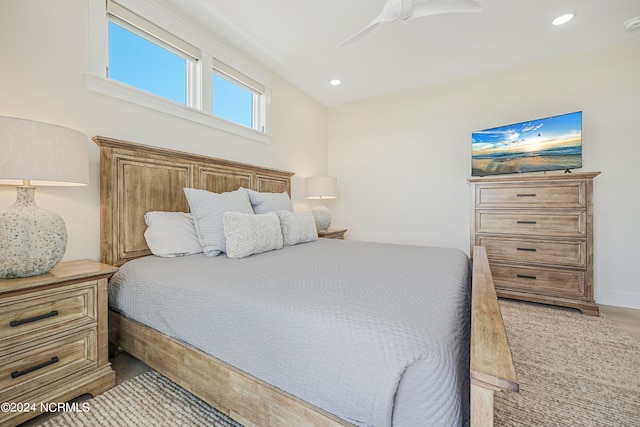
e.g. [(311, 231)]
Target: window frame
[(256, 88), (191, 64), (174, 30)]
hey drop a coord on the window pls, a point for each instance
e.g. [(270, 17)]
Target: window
[(141, 63), (237, 97), (232, 102), (147, 57), (144, 54)]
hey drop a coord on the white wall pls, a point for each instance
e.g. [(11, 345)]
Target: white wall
[(43, 58), (402, 160)]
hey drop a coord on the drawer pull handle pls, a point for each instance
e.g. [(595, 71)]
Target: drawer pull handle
[(524, 276), (526, 195), (51, 361), (527, 249), (15, 323), (526, 222)]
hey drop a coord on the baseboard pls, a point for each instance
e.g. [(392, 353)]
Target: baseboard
[(618, 299)]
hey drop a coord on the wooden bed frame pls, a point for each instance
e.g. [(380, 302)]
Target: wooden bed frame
[(135, 179)]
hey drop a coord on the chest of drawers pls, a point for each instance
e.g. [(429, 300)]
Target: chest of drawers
[(538, 233), (53, 338)]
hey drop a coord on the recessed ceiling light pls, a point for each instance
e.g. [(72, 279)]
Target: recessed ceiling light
[(563, 19), (335, 82)]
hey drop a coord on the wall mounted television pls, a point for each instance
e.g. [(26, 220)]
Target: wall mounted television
[(552, 143)]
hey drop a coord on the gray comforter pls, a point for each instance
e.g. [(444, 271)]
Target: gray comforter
[(377, 334)]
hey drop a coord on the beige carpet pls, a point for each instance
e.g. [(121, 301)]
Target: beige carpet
[(573, 370)]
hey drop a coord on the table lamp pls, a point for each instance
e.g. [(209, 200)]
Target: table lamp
[(32, 239), (321, 188)]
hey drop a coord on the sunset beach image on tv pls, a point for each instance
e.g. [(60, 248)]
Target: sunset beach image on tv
[(552, 143)]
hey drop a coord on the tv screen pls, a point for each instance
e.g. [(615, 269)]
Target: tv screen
[(552, 143)]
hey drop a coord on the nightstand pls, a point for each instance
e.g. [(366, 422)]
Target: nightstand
[(332, 234), (53, 338)]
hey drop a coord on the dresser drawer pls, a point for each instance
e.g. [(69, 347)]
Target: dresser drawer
[(535, 251), (547, 224), (46, 362), (542, 281), (27, 317), (568, 194)]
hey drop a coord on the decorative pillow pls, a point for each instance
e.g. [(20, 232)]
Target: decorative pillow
[(249, 234), (207, 209), (297, 227), (171, 234), (269, 202)]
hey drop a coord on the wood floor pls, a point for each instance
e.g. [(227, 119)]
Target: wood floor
[(127, 367), (626, 318)]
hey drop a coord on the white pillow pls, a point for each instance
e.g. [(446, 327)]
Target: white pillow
[(269, 202), (207, 209), (171, 234), (297, 227), (249, 234)]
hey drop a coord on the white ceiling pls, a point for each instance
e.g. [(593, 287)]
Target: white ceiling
[(299, 39)]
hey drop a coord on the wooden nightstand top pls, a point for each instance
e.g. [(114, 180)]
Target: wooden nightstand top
[(65, 271), (332, 234)]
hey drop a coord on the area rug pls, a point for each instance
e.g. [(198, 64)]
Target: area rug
[(148, 400), (573, 370)]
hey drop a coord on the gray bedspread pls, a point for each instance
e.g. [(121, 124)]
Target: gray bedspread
[(377, 334)]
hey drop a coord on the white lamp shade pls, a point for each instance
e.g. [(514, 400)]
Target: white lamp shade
[(321, 187), (43, 153)]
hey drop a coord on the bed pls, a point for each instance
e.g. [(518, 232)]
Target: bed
[(274, 388)]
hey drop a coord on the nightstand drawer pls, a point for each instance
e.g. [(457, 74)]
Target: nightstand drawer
[(27, 317), (541, 281), (568, 194), (46, 362), (548, 224), (535, 251)]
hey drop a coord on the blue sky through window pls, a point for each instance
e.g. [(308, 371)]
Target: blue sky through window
[(232, 102), (140, 63)]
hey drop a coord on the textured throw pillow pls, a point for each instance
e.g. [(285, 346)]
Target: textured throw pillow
[(297, 227), (249, 234), (269, 202), (171, 234), (207, 209)]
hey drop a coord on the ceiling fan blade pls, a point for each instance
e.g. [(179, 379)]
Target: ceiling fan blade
[(366, 30), (400, 10), (392, 10), (436, 7)]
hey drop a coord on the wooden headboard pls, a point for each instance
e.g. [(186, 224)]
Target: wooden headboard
[(136, 179)]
